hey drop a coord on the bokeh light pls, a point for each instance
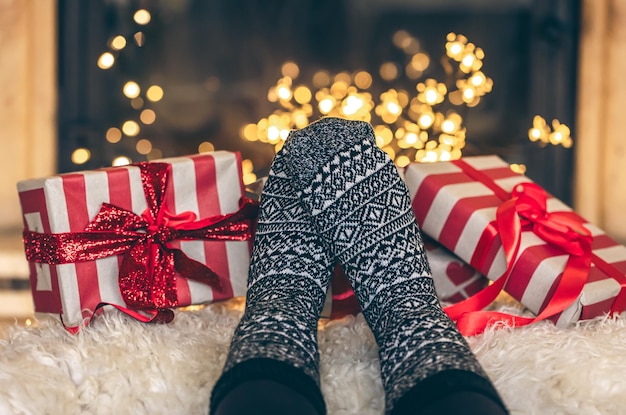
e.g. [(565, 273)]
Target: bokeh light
[(80, 156)]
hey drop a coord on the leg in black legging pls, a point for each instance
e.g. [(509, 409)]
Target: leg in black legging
[(274, 358)]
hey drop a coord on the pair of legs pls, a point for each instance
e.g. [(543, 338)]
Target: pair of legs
[(332, 194)]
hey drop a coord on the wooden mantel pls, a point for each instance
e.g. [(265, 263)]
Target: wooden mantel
[(600, 139), (28, 48)]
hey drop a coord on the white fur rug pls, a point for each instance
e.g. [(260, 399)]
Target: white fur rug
[(120, 366)]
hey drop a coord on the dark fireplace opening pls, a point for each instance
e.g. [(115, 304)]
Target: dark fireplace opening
[(191, 75)]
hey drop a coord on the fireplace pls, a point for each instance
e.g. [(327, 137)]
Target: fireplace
[(211, 65)]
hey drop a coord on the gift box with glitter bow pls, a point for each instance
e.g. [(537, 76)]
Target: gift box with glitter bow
[(527, 242), (143, 238)]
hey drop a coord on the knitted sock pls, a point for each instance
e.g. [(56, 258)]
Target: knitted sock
[(362, 209), (290, 269)]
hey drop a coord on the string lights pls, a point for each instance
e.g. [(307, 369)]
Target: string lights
[(541, 132), (420, 125), (423, 123)]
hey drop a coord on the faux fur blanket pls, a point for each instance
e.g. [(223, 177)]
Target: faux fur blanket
[(120, 366)]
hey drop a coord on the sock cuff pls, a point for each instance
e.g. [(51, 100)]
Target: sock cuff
[(443, 384), (268, 369)]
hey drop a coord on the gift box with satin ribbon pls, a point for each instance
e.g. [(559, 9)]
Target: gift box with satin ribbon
[(143, 238), (527, 242), (454, 279)]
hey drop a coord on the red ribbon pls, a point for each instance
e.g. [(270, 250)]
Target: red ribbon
[(149, 265), (526, 209)]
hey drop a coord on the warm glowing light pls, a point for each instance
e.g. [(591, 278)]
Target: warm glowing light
[(300, 119), (478, 79), (147, 116), (106, 60), (401, 38), (431, 96), (154, 93), (142, 17), (388, 71), (302, 95), (131, 128), (206, 147), (413, 127), (140, 39), (383, 135), (131, 89), (426, 120), (468, 60), (411, 138), (247, 168), (339, 89), (343, 77), (137, 103), (559, 134), (352, 104), (390, 152), (273, 133), (283, 92), (113, 135), (290, 69), (249, 178), (363, 80), (326, 105), (118, 42), (420, 61), (394, 108), (448, 126), (143, 146), (121, 161), (403, 161), (455, 46), (469, 94), (321, 79), (431, 92), (534, 134), (249, 132), (518, 168), (80, 156)]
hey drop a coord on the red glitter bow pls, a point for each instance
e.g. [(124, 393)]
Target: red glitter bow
[(149, 265)]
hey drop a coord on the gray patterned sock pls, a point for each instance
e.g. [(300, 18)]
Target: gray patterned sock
[(362, 209), (290, 270)]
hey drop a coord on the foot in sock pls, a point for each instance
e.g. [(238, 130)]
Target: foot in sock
[(274, 348), (361, 208)]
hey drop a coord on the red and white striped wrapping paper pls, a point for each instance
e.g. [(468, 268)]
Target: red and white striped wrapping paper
[(457, 210), (454, 279), (205, 184)]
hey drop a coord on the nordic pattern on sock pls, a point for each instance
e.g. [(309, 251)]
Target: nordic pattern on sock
[(362, 208), (289, 274)]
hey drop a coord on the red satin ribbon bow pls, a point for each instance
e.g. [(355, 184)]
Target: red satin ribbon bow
[(527, 210), (149, 267)]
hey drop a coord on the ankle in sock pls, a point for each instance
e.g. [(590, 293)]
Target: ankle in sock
[(361, 208), (290, 270)]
